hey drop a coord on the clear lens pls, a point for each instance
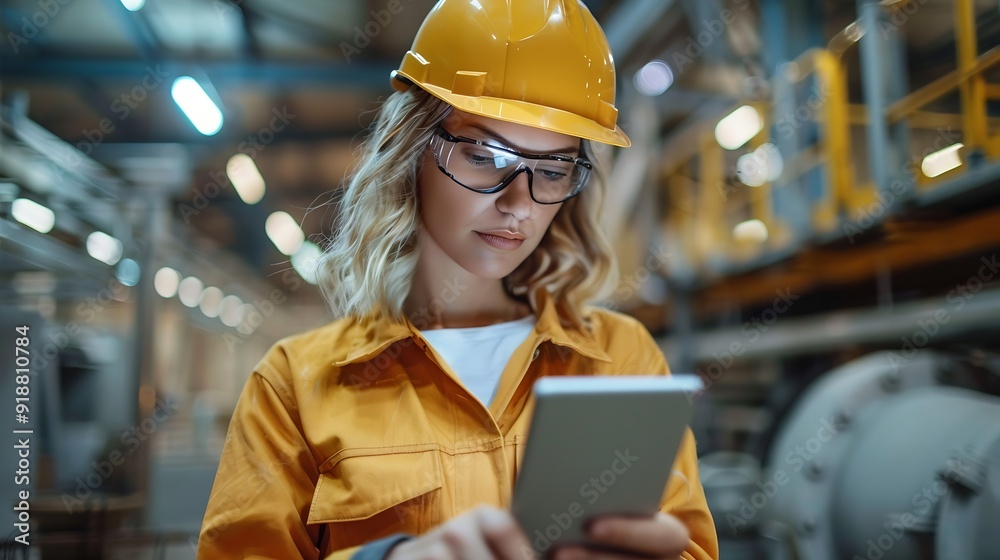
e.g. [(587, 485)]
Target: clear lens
[(483, 167)]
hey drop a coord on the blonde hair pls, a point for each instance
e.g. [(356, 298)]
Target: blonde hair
[(367, 264)]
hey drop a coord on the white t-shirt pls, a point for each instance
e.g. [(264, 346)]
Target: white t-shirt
[(478, 355)]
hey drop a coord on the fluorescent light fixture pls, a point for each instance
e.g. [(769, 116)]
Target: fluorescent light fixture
[(33, 215), (231, 311), (133, 5), (166, 282), (754, 231), (197, 106), (127, 272), (738, 127), (942, 161), (247, 180), (104, 248), (654, 78), (284, 232), (304, 261), (189, 291), (209, 302)]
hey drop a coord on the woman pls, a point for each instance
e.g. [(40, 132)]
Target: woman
[(461, 267)]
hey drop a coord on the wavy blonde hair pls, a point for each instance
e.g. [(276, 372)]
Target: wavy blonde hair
[(367, 264)]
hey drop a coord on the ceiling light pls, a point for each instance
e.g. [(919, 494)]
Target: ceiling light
[(284, 232), (305, 259), (127, 272), (754, 231), (942, 161), (197, 105), (104, 248), (738, 127), (209, 301), (189, 291), (33, 215), (246, 178), (231, 311), (654, 78), (166, 282)]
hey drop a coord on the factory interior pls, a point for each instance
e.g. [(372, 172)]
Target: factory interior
[(808, 218)]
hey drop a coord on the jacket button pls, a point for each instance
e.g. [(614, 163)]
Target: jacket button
[(537, 351)]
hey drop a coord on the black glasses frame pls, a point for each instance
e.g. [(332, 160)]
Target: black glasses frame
[(586, 163)]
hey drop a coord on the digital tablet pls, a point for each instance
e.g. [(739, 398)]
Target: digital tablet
[(598, 445)]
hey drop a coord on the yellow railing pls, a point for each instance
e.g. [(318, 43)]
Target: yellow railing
[(969, 80), (707, 202)]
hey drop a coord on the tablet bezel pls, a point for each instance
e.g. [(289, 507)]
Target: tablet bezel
[(546, 488)]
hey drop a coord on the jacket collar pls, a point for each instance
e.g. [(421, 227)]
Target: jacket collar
[(368, 338)]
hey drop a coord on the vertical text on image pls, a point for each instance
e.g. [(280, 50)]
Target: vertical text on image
[(22, 396)]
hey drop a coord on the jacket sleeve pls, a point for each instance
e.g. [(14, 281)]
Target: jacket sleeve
[(684, 497), (260, 499)]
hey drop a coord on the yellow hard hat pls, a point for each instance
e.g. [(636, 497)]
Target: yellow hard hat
[(541, 63)]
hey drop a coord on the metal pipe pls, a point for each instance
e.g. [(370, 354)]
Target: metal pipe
[(788, 337)]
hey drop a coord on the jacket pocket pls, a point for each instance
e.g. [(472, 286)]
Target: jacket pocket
[(365, 497)]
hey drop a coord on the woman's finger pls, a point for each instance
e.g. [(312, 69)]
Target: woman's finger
[(660, 536), (503, 535), (462, 539)]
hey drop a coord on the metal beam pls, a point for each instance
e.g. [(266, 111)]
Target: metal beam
[(884, 82), (47, 253), (823, 333), (366, 76), (789, 28), (232, 139)]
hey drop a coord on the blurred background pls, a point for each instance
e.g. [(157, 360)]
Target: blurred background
[(809, 218)]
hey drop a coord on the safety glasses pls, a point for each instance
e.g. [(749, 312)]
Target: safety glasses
[(489, 168)]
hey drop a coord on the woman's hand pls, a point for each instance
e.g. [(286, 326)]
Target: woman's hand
[(482, 533), (490, 533), (661, 536)]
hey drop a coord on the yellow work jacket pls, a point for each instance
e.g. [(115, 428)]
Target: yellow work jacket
[(357, 430)]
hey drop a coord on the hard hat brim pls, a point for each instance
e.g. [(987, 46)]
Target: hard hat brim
[(520, 112)]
